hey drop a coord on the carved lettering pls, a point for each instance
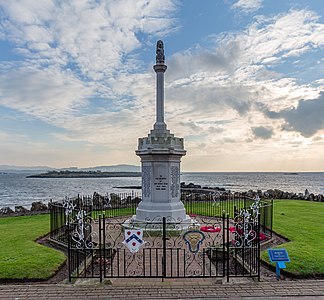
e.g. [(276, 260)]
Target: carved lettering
[(160, 183)]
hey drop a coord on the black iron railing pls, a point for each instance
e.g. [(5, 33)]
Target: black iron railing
[(93, 228), (125, 204)]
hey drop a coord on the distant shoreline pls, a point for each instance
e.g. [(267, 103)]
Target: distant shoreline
[(84, 174)]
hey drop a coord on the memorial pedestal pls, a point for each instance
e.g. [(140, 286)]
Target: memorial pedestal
[(161, 154)]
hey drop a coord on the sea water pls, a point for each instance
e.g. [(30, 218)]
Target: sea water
[(17, 189)]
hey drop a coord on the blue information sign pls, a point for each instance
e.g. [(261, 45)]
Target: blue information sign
[(279, 256)]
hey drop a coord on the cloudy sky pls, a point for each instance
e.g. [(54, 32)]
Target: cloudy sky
[(244, 85)]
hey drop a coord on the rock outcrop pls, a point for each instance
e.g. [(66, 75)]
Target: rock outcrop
[(38, 206)]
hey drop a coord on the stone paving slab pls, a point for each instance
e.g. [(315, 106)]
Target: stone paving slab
[(309, 289)]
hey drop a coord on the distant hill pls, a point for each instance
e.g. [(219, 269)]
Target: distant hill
[(113, 168), (24, 168), (84, 174)]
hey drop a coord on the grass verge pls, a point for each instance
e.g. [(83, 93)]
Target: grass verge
[(302, 222), (20, 256), (111, 213)]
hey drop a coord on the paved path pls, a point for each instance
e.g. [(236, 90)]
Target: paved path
[(189, 289)]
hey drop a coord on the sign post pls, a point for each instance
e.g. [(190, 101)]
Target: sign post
[(280, 257)]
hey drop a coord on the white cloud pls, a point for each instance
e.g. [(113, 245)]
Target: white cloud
[(47, 94), (228, 83), (250, 53), (269, 41), (111, 128), (319, 81), (97, 37), (235, 73), (77, 50), (247, 5)]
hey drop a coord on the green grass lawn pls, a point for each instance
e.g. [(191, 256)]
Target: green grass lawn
[(302, 222), (110, 213), (20, 256)]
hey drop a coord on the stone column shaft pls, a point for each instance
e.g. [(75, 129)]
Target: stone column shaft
[(160, 97), (160, 69)]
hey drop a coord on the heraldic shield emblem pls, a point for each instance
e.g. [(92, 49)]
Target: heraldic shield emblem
[(194, 239), (134, 240)]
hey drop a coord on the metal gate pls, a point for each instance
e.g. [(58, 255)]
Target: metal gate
[(164, 248)]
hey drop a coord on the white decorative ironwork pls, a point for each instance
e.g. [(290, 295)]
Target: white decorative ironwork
[(69, 206), (245, 232), (83, 233), (255, 206), (216, 198)]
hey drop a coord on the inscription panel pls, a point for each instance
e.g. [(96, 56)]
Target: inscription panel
[(160, 180), (160, 183)]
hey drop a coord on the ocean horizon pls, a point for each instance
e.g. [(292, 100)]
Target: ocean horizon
[(17, 189)]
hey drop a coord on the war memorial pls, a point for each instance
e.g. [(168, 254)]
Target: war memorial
[(160, 154), (164, 231)]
